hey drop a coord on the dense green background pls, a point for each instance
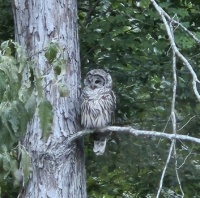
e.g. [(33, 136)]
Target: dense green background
[(128, 39)]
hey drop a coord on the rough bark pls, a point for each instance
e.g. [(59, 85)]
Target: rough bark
[(57, 168)]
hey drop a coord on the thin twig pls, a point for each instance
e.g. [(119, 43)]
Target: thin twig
[(176, 171), (185, 159), (186, 123), (165, 168), (164, 130), (182, 26)]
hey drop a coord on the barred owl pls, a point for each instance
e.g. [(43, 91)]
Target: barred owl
[(98, 105)]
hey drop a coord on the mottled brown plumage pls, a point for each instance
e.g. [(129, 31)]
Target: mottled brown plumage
[(98, 105)]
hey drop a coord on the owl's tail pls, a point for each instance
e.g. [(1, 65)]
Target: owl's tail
[(100, 146)]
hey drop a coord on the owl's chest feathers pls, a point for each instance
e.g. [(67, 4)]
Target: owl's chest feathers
[(95, 100), (98, 104), (94, 94), (96, 110)]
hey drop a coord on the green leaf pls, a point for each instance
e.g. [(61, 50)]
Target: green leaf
[(23, 117), (23, 93), (3, 84), (25, 165), (39, 87), (6, 161), (8, 66), (31, 104), (21, 57), (5, 46), (15, 172), (144, 3), (51, 52), (18, 177), (63, 90), (46, 117), (9, 115), (59, 66)]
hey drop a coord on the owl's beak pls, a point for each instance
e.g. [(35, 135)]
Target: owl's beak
[(93, 87)]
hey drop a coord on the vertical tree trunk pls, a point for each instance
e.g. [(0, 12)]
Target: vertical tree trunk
[(57, 168)]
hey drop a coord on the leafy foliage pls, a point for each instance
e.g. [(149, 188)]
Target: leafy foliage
[(13, 114), (55, 56), (21, 97), (6, 22), (9, 168), (129, 40), (14, 110)]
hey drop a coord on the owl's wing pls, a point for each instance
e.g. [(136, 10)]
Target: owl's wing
[(99, 138), (113, 106)]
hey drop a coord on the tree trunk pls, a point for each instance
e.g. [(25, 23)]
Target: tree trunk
[(57, 169)]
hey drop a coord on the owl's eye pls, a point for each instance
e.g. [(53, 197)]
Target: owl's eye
[(97, 81)]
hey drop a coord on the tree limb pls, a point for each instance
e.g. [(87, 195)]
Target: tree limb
[(132, 131), (173, 118), (165, 168)]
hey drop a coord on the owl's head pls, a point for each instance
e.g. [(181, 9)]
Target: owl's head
[(98, 78)]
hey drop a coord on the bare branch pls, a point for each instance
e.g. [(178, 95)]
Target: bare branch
[(173, 118), (189, 154), (135, 132), (165, 168), (174, 124), (186, 123), (176, 170), (182, 26), (173, 45)]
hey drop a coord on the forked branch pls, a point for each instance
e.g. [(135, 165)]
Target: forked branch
[(177, 52)]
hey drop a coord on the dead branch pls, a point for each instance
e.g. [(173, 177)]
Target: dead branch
[(174, 124), (173, 21), (165, 168), (173, 45), (135, 132)]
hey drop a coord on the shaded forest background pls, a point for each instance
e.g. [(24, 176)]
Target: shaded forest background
[(128, 39)]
